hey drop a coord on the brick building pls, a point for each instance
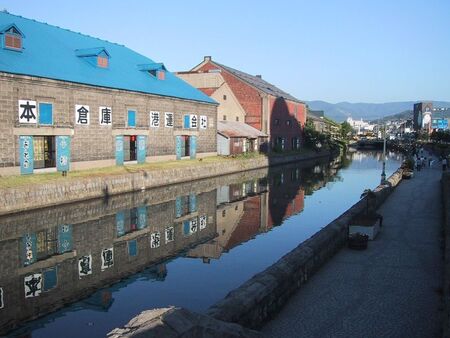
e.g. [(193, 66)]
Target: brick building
[(73, 101), (253, 100)]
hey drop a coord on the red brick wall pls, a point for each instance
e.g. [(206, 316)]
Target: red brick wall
[(247, 96), (282, 110), (249, 224), (208, 91)]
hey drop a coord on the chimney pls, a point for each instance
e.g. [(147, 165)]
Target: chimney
[(207, 58), (259, 76)]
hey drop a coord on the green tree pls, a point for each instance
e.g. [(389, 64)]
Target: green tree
[(346, 130)]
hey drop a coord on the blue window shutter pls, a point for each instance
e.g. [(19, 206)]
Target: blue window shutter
[(132, 248), (131, 118), (45, 113), (50, 278), (186, 228), (187, 121)]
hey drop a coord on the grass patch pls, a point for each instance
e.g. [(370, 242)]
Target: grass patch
[(21, 180)]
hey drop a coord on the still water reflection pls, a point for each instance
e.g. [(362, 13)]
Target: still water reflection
[(89, 267)]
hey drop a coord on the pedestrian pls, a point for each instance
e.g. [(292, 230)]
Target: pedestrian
[(444, 164), (429, 162)]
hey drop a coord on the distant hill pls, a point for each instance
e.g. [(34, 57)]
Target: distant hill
[(367, 111), (404, 115)]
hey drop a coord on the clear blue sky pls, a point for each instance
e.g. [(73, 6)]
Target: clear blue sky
[(332, 50)]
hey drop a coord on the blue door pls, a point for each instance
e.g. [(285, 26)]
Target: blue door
[(120, 223), (193, 146), (119, 150), (179, 206), (178, 145), (141, 148), (26, 154), (62, 153), (142, 217), (65, 242)]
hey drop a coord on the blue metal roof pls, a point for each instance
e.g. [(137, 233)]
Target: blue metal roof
[(56, 53)]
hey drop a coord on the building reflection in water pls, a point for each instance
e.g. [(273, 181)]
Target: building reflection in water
[(84, 252)]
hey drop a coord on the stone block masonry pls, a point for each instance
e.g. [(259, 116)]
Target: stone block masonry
[(257, 300), (253, 303), (178, 322), (73, 190), (95, 143), (445, 183)]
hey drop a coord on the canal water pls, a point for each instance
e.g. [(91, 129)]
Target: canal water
[(86, 268)]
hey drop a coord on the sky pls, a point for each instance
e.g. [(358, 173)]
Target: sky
[(332, 50)]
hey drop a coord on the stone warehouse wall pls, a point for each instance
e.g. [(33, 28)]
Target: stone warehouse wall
[(73, 190), (90, 237), (16, 224), (96, 142), (258, 299)]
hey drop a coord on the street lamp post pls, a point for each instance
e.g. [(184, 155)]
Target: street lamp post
[(383, 172)]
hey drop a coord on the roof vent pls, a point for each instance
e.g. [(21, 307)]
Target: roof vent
[(259, 76), (98, 56), (12, 37), (158, 70), (207, 58)]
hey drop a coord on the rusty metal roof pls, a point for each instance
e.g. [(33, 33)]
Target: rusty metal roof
[(238, 129)]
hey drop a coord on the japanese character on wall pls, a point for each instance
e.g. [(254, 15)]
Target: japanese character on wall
[(105, 116), (64, 238), (2, 304), (155, 240), (193, 121), (168, 120), (170, 234), (193, 225), (29, 248), (85, 265), (154, 119), (33, 285), (203, 222), (26, 153), (107, 258), (27, 111), (82, 114), (203, 122)]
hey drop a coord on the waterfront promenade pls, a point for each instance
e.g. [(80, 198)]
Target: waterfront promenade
[(393, 289)]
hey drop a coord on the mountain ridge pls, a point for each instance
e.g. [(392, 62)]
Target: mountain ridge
[(367, 111)]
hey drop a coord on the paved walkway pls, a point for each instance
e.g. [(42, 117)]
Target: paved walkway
[(392, 289)]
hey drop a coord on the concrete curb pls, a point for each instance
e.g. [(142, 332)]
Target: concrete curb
[(179, 322), (61, 192), (445, 183), (261, 297)]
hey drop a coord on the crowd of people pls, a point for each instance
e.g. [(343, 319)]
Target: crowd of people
[(423, 159)]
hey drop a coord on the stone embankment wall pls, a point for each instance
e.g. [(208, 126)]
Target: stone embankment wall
[(258, 299), (73, 190), (179, 322), (445, 182)]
